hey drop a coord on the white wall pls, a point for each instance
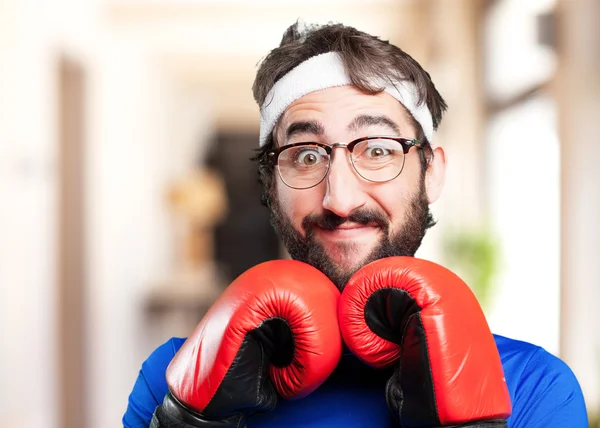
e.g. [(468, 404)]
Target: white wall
[(524, 189), (27, 219)]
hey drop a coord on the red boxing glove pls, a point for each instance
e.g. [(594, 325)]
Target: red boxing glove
[(424, 320), (274, 328)]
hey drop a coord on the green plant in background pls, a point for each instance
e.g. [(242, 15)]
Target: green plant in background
[(474, 255)]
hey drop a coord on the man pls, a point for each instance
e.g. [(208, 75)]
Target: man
[(349, 166)]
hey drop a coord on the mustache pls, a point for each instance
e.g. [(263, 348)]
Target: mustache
[(330, 221)]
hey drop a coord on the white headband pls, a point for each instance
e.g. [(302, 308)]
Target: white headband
[(326, 71)]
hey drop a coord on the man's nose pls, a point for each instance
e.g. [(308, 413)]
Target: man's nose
[(344, 191)]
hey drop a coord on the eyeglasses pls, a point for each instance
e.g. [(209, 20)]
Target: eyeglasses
[(376, 159)]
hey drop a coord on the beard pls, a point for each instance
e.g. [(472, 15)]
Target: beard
[(305, 248)]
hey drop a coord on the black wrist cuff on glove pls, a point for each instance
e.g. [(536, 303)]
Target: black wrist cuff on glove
[(484, 424), (172, 414)]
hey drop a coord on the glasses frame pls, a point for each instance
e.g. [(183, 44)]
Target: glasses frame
[(406, 143)]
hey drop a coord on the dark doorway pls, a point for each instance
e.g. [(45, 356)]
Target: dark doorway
[(246, 237)]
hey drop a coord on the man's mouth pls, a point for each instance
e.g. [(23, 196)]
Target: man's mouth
[(348, 231)]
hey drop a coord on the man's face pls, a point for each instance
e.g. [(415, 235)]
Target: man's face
[(345, 221)]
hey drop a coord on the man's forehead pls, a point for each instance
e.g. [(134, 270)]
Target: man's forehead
[(356, 108)]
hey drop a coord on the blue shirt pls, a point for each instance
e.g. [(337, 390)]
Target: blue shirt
[(543, 390)]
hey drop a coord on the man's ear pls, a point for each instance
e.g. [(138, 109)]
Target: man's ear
[(436, 175)]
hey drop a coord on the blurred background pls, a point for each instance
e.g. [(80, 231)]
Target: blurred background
[(127, 200)]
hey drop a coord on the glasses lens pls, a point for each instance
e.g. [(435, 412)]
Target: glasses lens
[(303, 166), (379, 159)]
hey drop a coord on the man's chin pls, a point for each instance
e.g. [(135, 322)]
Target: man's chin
[(348, 263)]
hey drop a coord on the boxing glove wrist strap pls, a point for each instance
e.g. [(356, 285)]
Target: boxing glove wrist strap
[(479, 424), (485, 424), (171, 414)]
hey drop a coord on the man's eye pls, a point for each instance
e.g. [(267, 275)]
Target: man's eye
[(377, 152), (308, 157)]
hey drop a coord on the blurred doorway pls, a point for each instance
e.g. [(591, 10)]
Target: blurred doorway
[(71, 244), (245, 238)]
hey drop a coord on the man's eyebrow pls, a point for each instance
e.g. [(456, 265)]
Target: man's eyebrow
[(305, 127), (365, 120)]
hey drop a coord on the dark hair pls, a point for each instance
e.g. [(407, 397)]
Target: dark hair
[(365, 58)]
